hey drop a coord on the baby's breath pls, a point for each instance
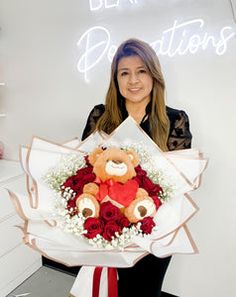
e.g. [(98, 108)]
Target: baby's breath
[(119, 241), (66, 167)]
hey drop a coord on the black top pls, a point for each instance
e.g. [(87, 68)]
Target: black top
[(179, 135)]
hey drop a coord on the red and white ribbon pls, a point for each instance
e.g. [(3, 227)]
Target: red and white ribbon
[(96, 282)]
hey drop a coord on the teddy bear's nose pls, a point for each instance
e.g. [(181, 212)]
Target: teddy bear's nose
[(116, 161)]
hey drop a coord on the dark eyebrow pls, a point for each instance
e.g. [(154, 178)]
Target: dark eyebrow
[(125, 68)]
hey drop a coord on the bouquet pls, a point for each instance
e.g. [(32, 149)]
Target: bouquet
[(107, 201), (109, 198)]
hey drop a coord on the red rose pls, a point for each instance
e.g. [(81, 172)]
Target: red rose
[(80, 173), (146, 183), (139, 180), (86, 174), (69, 182), (150, 187), (109, 230), (123, 222), (73, 182), (71, 207), (156, 190), (139, 171), (94, 226), (147, 225), (109, 212), (140, 174), (82, 177), (157, 201), (86, 160), (71, 204), (89, 177)]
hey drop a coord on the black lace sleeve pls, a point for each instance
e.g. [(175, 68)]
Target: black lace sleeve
[(93, 117), (180, 136)]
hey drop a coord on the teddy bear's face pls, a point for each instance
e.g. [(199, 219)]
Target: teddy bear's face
[(116, 167), (114, 163)]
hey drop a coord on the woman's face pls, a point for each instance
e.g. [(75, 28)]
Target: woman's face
[(134, 81)]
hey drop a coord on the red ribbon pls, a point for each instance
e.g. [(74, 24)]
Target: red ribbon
[(124, 194), (112, 281), (96, 281), (103, 188)]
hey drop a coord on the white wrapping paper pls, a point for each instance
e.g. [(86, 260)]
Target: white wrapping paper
[(183, 168)]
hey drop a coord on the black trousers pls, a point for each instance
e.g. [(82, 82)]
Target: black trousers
[(144, 279)]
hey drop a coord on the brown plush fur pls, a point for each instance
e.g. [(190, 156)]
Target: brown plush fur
[(143, 211), (98, 158), (87, 212), (91, 188)]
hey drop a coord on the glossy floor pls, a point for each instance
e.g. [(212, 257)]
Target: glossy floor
[(45, 282), (48, 282)]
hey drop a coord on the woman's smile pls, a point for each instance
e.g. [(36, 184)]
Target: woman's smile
[(134, 89)]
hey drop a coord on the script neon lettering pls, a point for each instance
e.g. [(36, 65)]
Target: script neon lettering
[(222, 44), (171, 50), (95, 51), (177, 40)]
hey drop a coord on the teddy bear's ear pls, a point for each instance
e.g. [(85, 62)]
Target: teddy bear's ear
[(94, 155), (133, 157)]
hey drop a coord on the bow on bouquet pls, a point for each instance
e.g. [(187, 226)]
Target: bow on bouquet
[(107, 202)]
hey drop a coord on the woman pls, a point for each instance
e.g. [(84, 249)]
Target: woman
[(137, 89)]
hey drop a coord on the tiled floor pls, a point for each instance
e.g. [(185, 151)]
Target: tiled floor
[(45, 282)]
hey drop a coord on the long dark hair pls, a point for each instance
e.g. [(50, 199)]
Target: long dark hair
[(112, 117)]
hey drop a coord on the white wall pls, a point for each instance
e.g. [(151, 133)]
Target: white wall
[(45, 95)]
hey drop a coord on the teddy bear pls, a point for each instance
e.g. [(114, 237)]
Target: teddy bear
[(114, 163), (141, 207), (86, 203), (114, 169)]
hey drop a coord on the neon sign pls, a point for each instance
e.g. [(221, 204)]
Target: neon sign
[(95, 43), (92, 53), (187, 42), (98, 4)]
